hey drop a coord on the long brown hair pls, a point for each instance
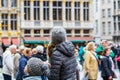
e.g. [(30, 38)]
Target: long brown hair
[(50, 49), (105, 50)]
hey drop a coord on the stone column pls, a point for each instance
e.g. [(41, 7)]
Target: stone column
[(72, 11), (81, 11), (31, 10), (41, 10), (63, 13), (22, 10), (51, 10), (81, 33), (9, 24)]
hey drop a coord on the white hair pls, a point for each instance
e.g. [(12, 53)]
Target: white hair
[(12, 47), (40, 48)]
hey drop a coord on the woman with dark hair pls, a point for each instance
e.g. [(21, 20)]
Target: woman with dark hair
[(61, 56), (106, 64)]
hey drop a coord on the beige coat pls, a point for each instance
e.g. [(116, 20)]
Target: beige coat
[(90, 65), (16, 63)]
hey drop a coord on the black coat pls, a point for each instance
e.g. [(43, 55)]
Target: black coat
[(63, 63), (41, 56), (106, 67)]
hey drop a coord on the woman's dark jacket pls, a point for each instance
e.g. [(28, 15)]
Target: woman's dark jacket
[(106, 67), (63, 63), (41, 56)]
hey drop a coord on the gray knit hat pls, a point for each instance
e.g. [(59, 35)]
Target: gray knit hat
[(34, 66), (58, 35)]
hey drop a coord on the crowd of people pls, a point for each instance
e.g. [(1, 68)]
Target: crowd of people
[(61, 61)]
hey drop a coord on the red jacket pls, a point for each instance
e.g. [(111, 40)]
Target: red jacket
[(118, 59)]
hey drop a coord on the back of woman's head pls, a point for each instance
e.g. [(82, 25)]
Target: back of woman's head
[(26, 51), (58, 35), (90, 46), (105, 50)]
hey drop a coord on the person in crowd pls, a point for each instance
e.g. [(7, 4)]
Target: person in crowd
[(34, 69), (34, 51), (62, 59), (106, 64), (81, 53), (90, 61), (8, 56), (118, 57), (101, 47), (79, 67), (40, 54), (22, 63), (16, 59)]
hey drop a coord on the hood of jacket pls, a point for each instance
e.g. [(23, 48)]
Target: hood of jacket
[(66, 48)]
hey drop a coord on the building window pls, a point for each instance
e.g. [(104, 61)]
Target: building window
[(36, 10), (4, 3), (118, 4), (14, 3), (36, 33), (119, 26), (103, 28), (77, 33), (86, 11), (86, 32), (114, 5), (68, 31), (96, 26), (115, 27), (46, 10), (57, 10), (118, 18), (27, 33), (77, 11), (5, 22), (103, 13), (27, 10), (13, 21), (109, 27), (109, 12), (46, 33), (68, 11)]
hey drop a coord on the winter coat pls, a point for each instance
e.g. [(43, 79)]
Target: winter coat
[(33, 78), (63, 63), (22, 63), (40, 56), (106, 67), (90, 65), (8, 63), (16, 63)]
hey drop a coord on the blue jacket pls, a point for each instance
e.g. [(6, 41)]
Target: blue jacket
[(22, 63)]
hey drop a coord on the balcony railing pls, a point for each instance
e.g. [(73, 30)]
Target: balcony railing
[(37, 23), (58, 23), (27, 35), (77, 23)]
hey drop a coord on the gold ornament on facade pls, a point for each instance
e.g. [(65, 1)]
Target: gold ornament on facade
[(0, 33), (9, 33), (18, 33)]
